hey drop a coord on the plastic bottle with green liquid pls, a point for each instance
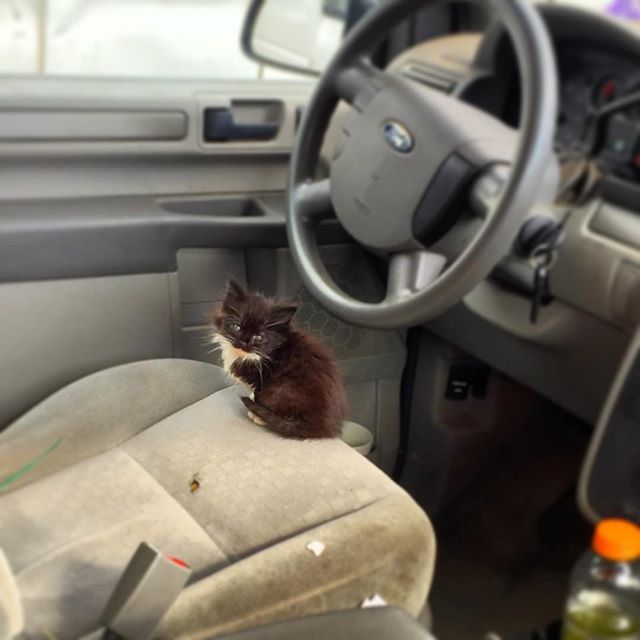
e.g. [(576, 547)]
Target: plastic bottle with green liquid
[(604, 600)]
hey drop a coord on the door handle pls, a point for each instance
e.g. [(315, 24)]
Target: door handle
[(220, 126)]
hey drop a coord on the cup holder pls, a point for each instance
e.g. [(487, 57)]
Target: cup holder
[(357, 437)]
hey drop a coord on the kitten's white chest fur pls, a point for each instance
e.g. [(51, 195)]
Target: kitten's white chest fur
[(230, 354)]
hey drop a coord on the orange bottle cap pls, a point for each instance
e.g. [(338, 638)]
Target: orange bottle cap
[(616, 539)]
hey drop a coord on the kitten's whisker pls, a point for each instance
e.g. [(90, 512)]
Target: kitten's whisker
[(209, 338), (260, 373), (266, 360)]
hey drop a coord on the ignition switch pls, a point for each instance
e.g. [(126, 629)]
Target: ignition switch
[(528, 271), (536, 232), (537, 241)]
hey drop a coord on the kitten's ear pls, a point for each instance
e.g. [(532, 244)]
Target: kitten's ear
[(235, 291), (282, 314), (234, 296)]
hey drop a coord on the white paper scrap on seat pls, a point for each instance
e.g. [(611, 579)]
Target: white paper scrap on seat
[(376, 600), (11, 614), (316, 547)]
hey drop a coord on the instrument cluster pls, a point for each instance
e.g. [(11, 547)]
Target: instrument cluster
[(600, 110)]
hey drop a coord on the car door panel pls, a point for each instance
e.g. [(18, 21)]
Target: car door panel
[(83, 237), (117, 235), (56, 331)]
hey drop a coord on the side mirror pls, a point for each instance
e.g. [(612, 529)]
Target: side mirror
[(296, 35)]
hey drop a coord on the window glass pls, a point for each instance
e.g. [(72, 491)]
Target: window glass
[(128, 38), (197, 39)]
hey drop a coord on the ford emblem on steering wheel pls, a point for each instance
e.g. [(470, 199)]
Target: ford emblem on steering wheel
[(397, 136)]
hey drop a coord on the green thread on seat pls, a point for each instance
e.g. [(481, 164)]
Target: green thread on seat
[(16, 475)]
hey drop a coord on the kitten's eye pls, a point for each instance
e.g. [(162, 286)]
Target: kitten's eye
[(235, 327), (257, 338)]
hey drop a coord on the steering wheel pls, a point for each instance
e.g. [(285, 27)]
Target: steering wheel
[(409, 161)]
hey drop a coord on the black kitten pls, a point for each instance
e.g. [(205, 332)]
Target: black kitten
[(297, 389)]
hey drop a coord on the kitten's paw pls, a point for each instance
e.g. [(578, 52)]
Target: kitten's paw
[(256, 419)]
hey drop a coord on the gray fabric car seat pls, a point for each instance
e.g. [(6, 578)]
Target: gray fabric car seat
[(110, 461)]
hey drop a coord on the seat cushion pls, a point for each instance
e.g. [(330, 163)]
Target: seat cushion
[(244, 526), (98, 412)]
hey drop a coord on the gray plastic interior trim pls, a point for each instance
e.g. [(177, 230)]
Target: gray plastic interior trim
[(148, 586), (41, 175), (130, 104), (575, 373), (68, 238), (604, 423), (595, 272), (425, 472), (74, 125), (617, 223), (58, 331), (556, 323), (238, 206)]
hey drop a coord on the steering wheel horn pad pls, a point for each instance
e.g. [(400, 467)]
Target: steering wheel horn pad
[(399, 142)]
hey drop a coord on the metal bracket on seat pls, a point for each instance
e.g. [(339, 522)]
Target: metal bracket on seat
[(148, 587)]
